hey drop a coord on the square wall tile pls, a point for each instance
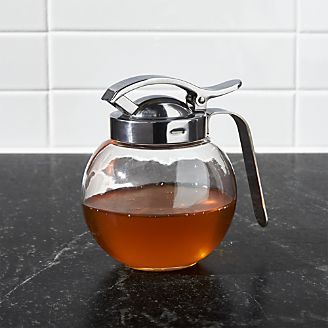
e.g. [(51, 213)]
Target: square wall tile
[(96, 60), (270, 117), (78, 118), (182, 15), (313, 61), (23, 61), (313, 15), (23, 119), (27, 15), (311, 119)]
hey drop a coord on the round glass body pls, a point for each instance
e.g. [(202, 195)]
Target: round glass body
[(159, 208)]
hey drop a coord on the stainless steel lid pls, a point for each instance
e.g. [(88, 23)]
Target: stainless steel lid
[(161, 119)]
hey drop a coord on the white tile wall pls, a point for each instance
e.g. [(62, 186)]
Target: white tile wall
[(79, 119), (313, 15), (23, 61), (313, 61), (81, 60), (165, 15), (23, 15), (312, 117), (23, 120), (58, 56)]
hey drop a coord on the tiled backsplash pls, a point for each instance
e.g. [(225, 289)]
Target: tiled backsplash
[(58, 56)]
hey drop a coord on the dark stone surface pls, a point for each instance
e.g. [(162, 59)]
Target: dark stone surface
[(52, 273)]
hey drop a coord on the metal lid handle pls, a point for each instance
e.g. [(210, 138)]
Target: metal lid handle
[(252, 171), (196, 96)]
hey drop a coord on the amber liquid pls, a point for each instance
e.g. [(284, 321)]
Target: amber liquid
[(159, 227)]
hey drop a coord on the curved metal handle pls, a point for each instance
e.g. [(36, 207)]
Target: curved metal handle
[(196, 96), (252, 171)]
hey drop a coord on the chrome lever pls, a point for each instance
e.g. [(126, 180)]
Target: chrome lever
[(197, 97)]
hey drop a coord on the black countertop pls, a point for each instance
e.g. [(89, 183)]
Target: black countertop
[(53, 274)]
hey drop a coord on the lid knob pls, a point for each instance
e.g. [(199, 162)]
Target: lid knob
[(161, 108)]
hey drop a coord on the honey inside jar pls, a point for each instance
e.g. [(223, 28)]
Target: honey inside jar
[(159, 227)]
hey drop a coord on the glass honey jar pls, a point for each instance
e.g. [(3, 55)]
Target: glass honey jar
[(159, 195)]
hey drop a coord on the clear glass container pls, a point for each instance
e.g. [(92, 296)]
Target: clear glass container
[(159, 207)]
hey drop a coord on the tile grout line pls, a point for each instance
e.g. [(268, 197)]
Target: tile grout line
[(109, 31), (296, 100), (295, 72), (149, 32), (48, 78)]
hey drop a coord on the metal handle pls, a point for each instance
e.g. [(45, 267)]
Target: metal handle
[(196, 96), (252, 171)]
